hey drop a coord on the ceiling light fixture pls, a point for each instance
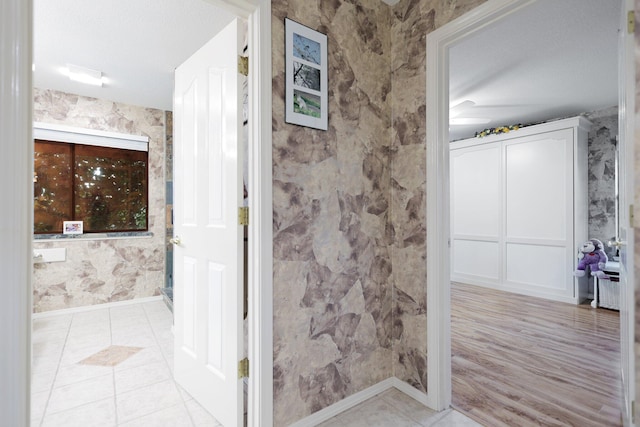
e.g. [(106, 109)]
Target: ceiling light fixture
[(458, 109), (83, 75)]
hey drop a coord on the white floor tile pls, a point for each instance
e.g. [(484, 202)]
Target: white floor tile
[(52, 323), (56, 337), (456, 419), (38, 404), (175, 416), (140, 376), (90, 317), (46, 348), (140, 339), (42, 381), (101, 413), (374, 412), (408, 406), (77, 342), (78, 372), (145, 356), (185, 396), (80, 393), (146, 400), (46, 363), (200, 416), (73, 355)]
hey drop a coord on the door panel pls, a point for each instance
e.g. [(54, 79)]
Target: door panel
[(208, 257)]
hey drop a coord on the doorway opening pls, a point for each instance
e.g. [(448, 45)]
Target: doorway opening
[(438, 186), (258, 15)]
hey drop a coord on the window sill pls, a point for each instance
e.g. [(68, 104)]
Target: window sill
[(93, 236)]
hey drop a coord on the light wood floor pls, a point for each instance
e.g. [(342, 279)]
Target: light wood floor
[(524, 361)]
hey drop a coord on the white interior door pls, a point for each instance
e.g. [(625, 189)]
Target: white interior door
[(208, 291), (625, 242)]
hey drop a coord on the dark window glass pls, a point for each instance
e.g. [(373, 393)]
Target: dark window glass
[(106, 188)]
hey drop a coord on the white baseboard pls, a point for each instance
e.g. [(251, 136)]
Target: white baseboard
[(357, 398), (346, 403), (412, 392), (94, 307)]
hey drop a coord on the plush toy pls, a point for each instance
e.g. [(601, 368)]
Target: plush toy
[(591, 255)]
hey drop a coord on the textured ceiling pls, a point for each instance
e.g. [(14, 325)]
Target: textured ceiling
[(550, 60)]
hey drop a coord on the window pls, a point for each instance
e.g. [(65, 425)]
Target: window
[(100, 183)]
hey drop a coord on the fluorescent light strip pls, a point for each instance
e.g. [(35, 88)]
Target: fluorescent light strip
[(83, 75)]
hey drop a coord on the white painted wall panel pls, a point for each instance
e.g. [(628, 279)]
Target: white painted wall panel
[(476, 258), (537, 265)]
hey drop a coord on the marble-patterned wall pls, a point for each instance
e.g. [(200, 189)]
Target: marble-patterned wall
[(411, 22), (602, 175), (100, 271), (332, 262)]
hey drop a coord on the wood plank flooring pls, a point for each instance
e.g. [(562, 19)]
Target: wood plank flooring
[(521, 361)]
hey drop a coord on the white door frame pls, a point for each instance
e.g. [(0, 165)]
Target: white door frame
[(260, 351), (16, 166), (16, 176)]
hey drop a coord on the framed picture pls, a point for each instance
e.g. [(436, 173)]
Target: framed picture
[(306, 74), (72, 227)]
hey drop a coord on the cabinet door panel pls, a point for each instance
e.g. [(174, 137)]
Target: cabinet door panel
[(475, 192), (538, 177)]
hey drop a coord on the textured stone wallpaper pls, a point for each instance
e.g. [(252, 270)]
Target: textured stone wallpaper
[(332, 261), (101, 271), (411, 22), (602, 175)]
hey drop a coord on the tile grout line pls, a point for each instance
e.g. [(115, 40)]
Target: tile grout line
[(46, 405), (155, 337), (113, 373)]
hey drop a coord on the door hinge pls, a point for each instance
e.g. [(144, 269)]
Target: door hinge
[(631, 216), (243, 215), (631, 21), (243, 368), (243, 65)]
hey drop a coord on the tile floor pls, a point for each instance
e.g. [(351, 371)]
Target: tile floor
[(113, 367), (129, 384), (394, 408)]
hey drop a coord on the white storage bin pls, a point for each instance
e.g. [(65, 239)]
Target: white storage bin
[(609, 293)]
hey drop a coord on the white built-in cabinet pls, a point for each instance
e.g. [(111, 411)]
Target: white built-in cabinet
[(519, 209)]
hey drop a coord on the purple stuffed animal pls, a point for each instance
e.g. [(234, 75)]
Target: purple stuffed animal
[(591, 255)]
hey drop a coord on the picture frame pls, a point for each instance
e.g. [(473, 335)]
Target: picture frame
[(72, 227), (306, 93)]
